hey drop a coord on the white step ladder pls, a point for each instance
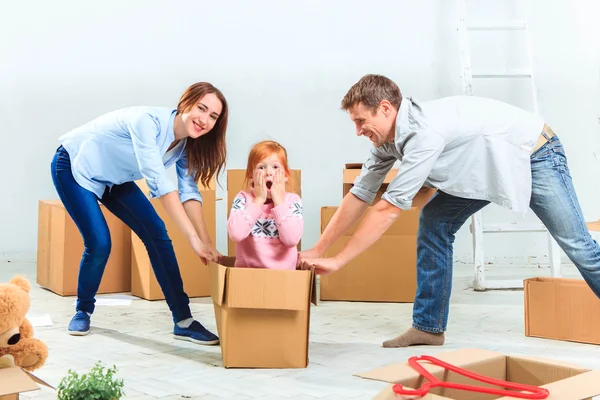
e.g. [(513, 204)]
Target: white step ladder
[(477, 227)]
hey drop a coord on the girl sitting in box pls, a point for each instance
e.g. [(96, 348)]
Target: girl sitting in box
[(266, 221)]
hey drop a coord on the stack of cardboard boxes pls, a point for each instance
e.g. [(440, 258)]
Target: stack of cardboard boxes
[(386, 271), (194, 273), (60, 247)]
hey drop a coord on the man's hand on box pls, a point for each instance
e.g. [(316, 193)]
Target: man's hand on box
[(308, 254), (322, 266)]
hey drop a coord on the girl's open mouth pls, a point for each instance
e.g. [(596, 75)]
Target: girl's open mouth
[(269, 184)]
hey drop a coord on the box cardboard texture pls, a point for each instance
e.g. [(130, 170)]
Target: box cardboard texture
[(562, 309), (564, 381), (386, 271), (60, 247), (236, 182), (15, 380), (263, 316), (193, 273)]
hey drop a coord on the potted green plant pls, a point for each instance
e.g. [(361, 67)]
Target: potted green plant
[(99, 383)]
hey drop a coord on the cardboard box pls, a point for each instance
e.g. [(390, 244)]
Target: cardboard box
[(561, 308), (235, 183), (352, 171), (193, 272), (15, 380), (593, 226), (263, 316), (385, 272), (60, 247), (564, 381)]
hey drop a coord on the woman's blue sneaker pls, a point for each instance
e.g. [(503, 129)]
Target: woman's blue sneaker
[(80, 324), (195, 333)]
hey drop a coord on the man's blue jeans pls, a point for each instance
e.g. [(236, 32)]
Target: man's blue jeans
[(553, 200), (131, 206)]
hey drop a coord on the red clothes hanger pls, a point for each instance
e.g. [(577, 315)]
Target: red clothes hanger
[(534, 392)]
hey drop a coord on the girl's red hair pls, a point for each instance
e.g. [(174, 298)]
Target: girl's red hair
[(264, 149)]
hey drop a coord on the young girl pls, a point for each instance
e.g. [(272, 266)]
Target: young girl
[(100, 161), (266, 221)]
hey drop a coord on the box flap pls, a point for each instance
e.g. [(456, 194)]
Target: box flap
[(555, 280), (228, 261), (594, 226), (268, 289), (52, 202), (218, 274), (353, 166), (388, 394), (38, 380), (15, 380), (395, 373), (350, 175), (549, 361), (313, 289), (578, 387)]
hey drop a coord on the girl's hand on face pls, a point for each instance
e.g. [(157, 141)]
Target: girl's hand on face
[(260, 188), (278, 187)]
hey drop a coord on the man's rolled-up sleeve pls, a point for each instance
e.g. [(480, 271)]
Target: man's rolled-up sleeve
[(372, 175), (421, 151)]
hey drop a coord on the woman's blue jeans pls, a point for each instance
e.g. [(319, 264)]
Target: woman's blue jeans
[(131, 206)]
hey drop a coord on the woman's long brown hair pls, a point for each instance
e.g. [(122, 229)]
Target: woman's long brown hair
[(207, 154)]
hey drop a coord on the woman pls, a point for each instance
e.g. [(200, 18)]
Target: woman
[(100, 161)]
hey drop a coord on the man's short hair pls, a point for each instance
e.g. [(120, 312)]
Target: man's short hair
[(371, 90)]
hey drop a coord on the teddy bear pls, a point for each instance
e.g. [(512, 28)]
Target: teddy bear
[(16, 332)]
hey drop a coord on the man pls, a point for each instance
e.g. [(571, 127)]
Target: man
[(474, 151)]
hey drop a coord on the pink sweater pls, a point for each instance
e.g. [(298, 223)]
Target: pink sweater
[(266, 237)]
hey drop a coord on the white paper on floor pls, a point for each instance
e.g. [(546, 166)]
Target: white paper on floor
[(118, 296), (102, 301), (116, 299), (40, 320)]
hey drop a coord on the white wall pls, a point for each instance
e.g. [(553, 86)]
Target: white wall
[(284, 67), (566, 61)]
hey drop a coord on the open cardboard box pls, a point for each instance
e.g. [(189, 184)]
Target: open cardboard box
[(562, 309), (564, 381), (15, 380), (193, 273), (236, 181), (263, 315)]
